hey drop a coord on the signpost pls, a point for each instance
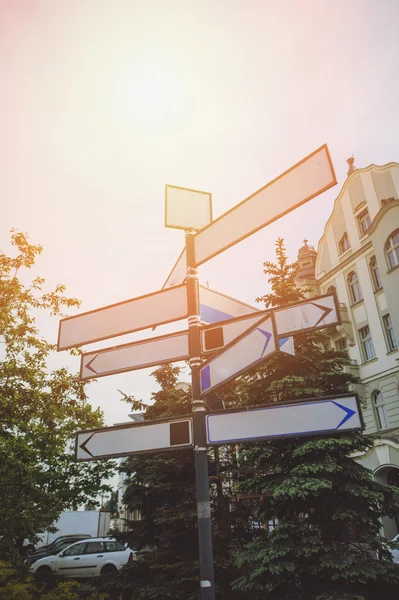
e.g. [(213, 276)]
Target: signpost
[(317, 312), (239, 356), (321, 416), (243, 339), (186, 208), (305, 180), (216, 307), (136, 438), (137, 355), (125, 317), (218, 337)]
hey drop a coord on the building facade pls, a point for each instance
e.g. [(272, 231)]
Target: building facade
[(358, 258)]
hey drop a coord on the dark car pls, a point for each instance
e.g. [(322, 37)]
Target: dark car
[(61, 542)]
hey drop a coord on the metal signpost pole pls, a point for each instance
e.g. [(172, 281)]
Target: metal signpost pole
[(200, 448)]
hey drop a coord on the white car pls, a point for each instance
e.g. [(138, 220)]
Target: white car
[(87, 558), (394, 551)]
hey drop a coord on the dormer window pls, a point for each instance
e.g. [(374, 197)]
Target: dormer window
[(344, 243), (364, 221)]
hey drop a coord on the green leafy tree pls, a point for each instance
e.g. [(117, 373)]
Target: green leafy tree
[(326, 508), (40, 409)]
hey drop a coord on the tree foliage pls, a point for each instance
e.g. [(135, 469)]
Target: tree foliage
[(162, 489), (40, 409), (325, 506)]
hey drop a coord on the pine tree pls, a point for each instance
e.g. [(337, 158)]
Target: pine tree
[(162, 489), (325, 506)]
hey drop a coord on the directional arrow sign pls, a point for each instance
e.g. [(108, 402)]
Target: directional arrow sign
[(138, 438), (305, 180), (216, 307), (132, 315), (315, 313), (246, 352), (137, 355), (306, 417), (216, 338)]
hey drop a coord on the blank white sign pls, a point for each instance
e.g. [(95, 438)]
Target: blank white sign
[(137, 355), (310, 177), (132, 315), (132, 439), (187, 209)]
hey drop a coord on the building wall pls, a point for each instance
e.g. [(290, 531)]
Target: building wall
[(367, 190)]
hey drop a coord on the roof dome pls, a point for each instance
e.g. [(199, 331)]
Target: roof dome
[(306, 250)]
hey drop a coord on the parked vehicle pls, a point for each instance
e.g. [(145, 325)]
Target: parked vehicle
[(94, 523), (395, 551), (89, 558), (59, 544)]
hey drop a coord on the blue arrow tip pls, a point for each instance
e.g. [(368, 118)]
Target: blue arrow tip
[(267, 336), (349, 413)]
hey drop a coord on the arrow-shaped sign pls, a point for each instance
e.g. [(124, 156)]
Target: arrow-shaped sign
[(315, 313), (137, 355), (245, 352), (302, 182), (138, 313), (136, 438), (217, 337), (216, 307), (316, 416)]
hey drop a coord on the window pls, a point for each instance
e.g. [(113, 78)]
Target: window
[(392, 249), (94, 547), (331, 290), (354, 286), (389, 332), (364, 221), (367, 343), (375, 274), (380, 412), (114, 546), (344, 243), (341, 344), (75, 550)]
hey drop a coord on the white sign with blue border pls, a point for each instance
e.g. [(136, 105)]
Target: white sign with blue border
[(305, 417), (244, 353)]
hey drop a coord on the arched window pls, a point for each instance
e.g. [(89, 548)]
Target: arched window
[(344, 243), (354, 286), (379, 408), (331, 290), (375, 274), (392, 249)]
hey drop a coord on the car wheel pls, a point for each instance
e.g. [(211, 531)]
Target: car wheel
[(44, 573), (109, 570)]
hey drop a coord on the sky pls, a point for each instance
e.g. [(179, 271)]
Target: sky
[(103, 103)]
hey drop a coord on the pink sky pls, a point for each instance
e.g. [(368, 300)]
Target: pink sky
[(240, 92)]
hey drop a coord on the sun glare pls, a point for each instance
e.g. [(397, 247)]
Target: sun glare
[(149, 94)]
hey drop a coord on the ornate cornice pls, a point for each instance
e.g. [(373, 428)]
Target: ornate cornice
[(344, 188)]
